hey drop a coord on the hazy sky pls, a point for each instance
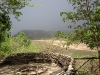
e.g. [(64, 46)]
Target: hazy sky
[(45, 17)]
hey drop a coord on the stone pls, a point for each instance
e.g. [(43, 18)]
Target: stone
[(55, 59), (33, 73), (18, 73)]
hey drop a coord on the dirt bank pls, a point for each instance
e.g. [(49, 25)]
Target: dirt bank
[(59, 43), (72, 51)]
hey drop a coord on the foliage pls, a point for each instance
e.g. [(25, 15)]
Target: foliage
[(17, 44), (13, 6), (37, 34), (7, 8), (59, 34), (5, 25), (88, 32), (22, 40)]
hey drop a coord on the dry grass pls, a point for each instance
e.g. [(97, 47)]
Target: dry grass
[(60, 43)]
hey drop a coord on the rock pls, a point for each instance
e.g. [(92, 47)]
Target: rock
[(54, 64), (18, 73), (60, 61), (33, 73)]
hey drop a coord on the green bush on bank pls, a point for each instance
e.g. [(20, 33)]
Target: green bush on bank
[(17, 44)]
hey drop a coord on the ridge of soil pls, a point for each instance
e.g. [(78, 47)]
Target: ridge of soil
[(14, 64)]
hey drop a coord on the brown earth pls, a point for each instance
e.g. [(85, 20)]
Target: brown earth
[(56, 46), (35, 64), (59, 43), (53, 46)]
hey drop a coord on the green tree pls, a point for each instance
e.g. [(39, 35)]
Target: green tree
[(88, 32), (7, 8), (22, 39)]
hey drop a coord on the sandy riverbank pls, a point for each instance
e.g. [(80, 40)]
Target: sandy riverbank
[(60, 43)]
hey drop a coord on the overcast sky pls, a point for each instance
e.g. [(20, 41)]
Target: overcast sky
[(46, 17)]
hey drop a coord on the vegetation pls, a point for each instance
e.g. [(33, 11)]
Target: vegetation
[(37, 34), (10, 44), (88, 12), (17, 44), (89, 31), (7, 8)]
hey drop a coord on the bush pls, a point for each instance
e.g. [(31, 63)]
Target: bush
[(17, 44)]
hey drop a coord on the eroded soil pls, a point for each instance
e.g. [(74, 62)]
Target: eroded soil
[(55, 46), (29, 69), (45, 69)]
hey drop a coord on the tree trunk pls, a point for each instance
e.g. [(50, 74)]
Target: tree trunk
[(99, 60)]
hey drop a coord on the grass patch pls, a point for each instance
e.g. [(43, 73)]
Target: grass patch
[(74, 55)]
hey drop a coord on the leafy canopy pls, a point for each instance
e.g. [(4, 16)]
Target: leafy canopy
[(7, 8), (88, 32)]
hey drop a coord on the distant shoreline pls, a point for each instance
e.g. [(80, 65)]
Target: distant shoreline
[(74, 47)]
